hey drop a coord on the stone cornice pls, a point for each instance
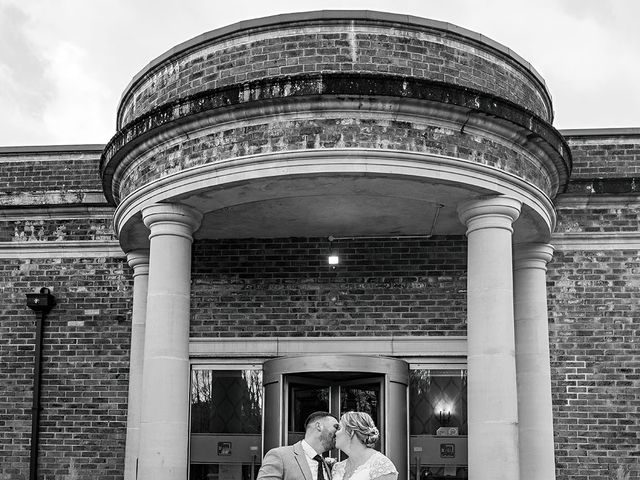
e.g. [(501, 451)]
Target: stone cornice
[(282, 90), (596, 241), (346, 160), (71, 249), (55, 211), (577, 200), (406, 347), (53, 199)]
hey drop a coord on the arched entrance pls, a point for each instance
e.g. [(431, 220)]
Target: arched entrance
[(297, 386)]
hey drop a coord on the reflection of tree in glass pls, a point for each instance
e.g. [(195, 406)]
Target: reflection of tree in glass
[(226, 401), (359, 400)]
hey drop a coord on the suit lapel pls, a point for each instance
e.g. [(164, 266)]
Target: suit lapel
[(301, 458)]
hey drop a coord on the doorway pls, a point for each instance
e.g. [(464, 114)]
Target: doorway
[(294, 387)]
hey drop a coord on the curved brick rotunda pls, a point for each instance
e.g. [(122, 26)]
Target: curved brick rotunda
[(335, 123), (344, 124)]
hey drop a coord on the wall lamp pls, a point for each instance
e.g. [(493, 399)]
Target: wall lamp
[(41, 303), (333, 259), (444, 417)]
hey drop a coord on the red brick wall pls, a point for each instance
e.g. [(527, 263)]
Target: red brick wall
[(302, 134), (50, 197), (285, 287), (595, 359), (605, 156), (385, 47), (85, 367), (608, 217), (594, 313), (74, 173)]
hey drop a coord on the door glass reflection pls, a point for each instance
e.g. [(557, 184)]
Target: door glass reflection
[(226, 424), (361, 398), (303, 401)]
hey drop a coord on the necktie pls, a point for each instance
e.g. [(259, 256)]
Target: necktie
[(318, 459)]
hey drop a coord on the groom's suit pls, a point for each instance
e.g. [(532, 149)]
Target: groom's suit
[(287, 463)]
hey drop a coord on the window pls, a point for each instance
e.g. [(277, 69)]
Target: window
[(438, 423), (226, 423)]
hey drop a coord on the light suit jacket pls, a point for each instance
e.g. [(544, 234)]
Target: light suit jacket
[(287, 463)]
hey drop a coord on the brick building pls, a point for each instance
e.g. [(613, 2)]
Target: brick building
[(480, 302)]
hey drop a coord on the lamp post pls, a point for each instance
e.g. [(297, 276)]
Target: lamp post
[(41, 303)]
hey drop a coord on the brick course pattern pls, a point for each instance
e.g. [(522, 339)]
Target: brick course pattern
[(58, 230), (606, 218), (85, 367), (364, 133), (605, 156), (336, 46), (44, 178), (285, 287), (594, 334)]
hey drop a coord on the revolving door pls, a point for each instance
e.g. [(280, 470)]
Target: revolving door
[(294, 387)]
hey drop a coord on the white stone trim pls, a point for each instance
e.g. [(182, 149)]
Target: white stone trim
[(353, 161), (42, 211), (77, 249), (51, 200), (571, 202), (406, 347), (596, 241)]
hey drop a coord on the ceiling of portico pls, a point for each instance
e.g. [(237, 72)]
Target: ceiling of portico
[(329, 206)]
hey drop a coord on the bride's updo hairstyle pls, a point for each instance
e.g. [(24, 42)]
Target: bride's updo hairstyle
[(361, 425)]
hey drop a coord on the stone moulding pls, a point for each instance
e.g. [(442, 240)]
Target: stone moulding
[(354, 161), (333, 85)]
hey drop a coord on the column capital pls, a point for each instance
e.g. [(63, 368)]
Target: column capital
[(532, 255), (171, 219), (139, 261), (489, 212)]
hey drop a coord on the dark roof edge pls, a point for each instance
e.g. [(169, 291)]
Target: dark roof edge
[(599, 132), (90, 147), (330, 15)]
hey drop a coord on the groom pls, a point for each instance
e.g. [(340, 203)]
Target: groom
[(303, 460)]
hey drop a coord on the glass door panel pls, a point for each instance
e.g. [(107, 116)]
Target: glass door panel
[(305, 397), (362, 397), (308, 394)]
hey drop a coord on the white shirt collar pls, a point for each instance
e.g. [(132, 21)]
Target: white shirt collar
[(308, 449)]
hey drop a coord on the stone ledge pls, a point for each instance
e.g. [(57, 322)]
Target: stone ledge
[(74, 249), (331, 85)]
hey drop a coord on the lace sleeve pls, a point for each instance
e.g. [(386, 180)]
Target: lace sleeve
[(381, 465), (337, 471)]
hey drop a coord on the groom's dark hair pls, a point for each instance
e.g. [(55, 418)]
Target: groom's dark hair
[(317, 416)]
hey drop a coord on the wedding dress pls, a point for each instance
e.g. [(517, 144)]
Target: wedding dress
[(376, 466)]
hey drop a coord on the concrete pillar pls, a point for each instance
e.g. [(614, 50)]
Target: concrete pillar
[(492, 395), (165, 383), (532, 362), (139, 261)]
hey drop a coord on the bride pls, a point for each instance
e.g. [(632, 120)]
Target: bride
[(356, 437)]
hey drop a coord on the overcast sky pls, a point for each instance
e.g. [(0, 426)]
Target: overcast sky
[(65, 63)]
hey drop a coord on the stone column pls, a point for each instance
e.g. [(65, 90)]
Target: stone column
[(532, 362), (165, 383), (139, 261), (492, 394)]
